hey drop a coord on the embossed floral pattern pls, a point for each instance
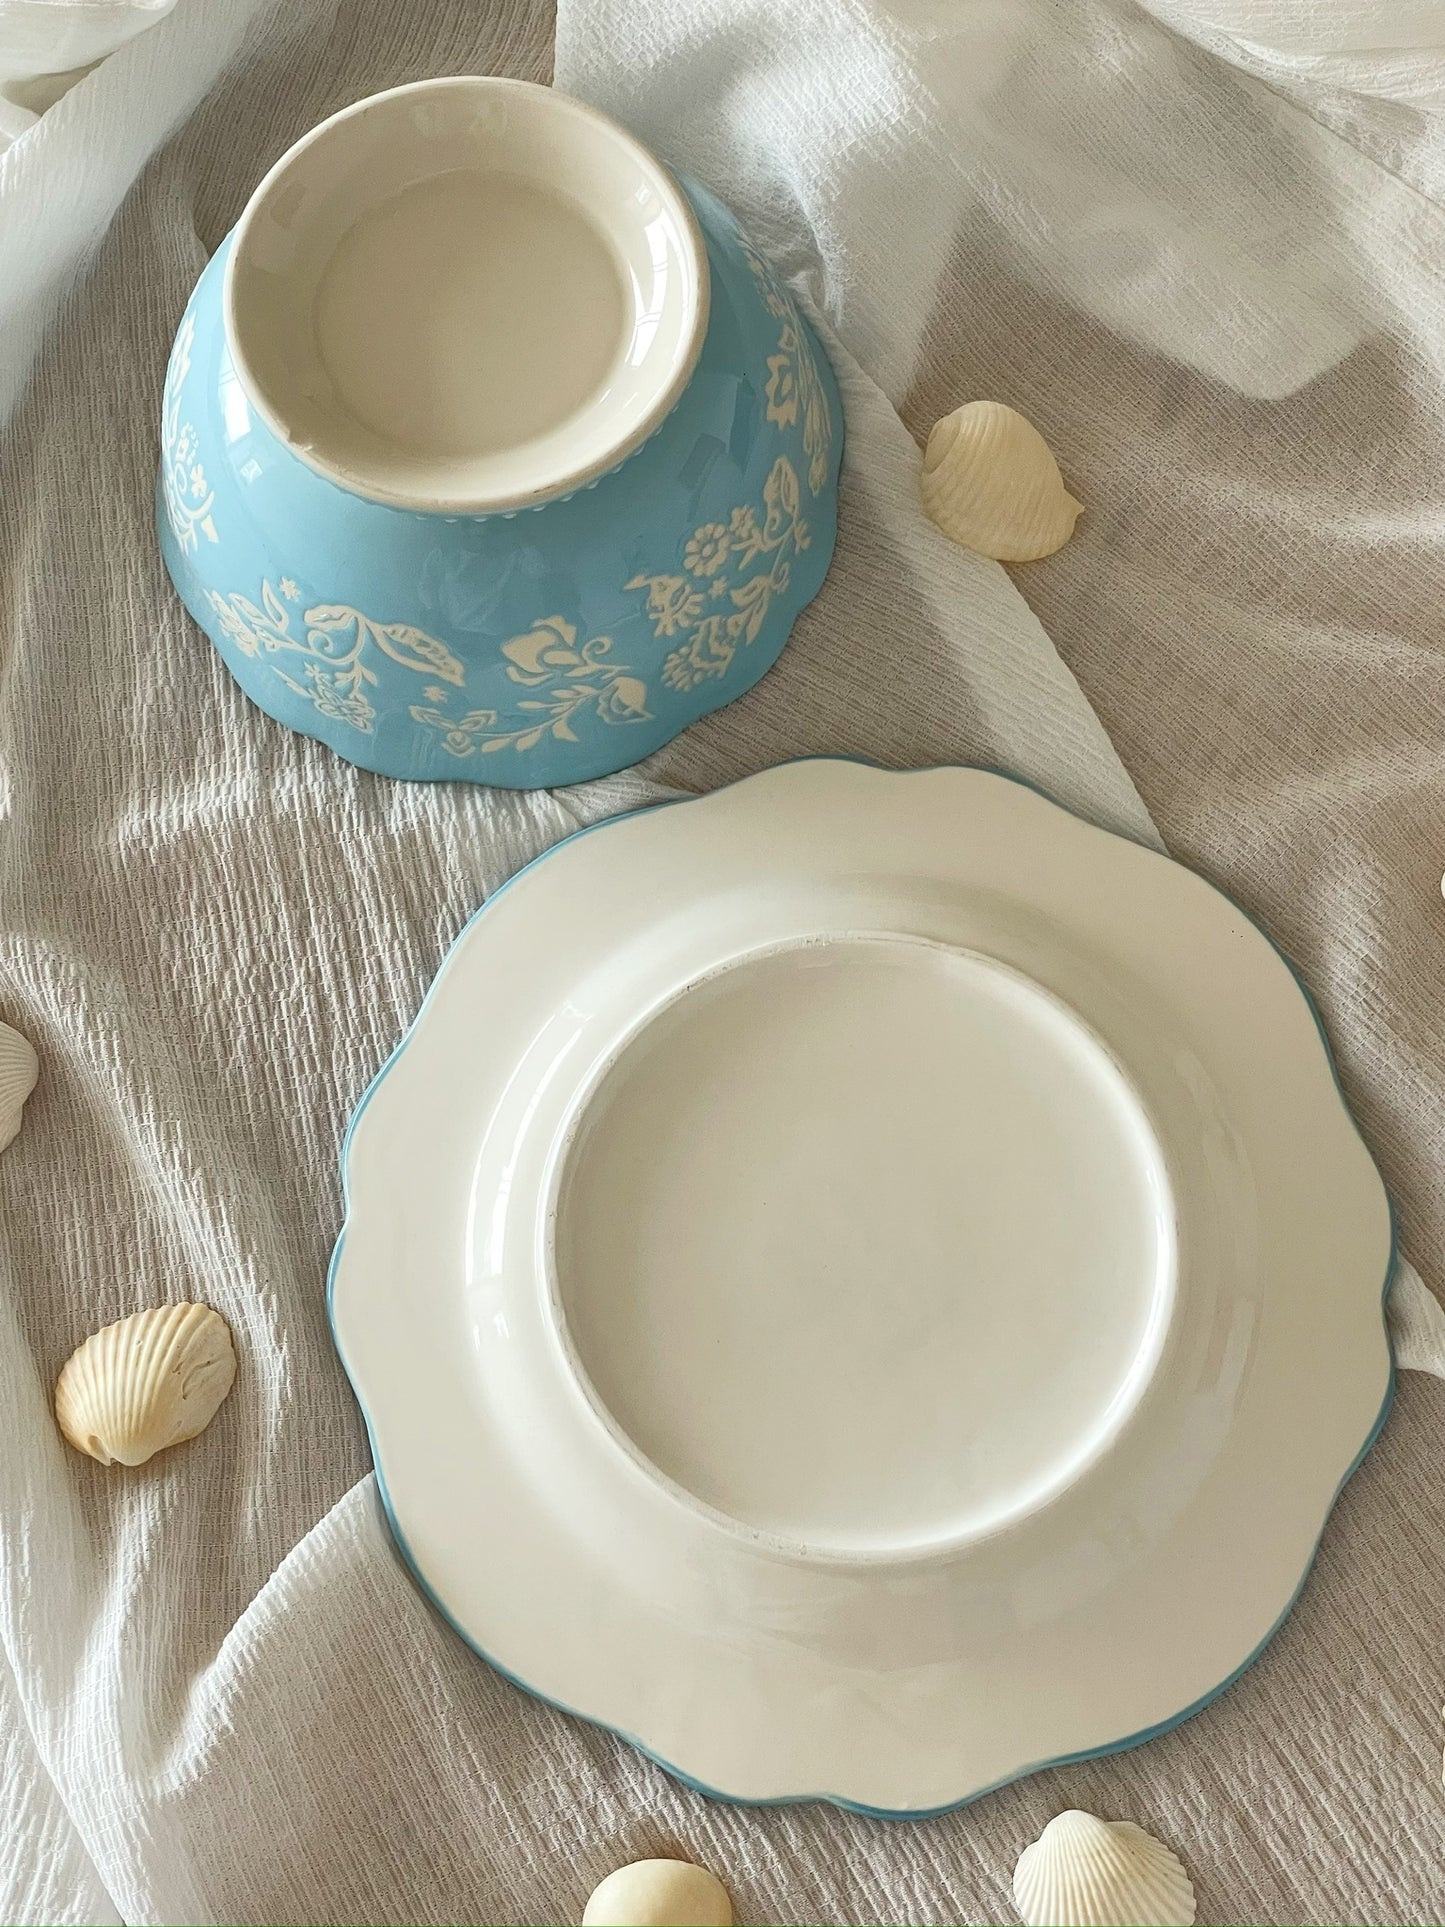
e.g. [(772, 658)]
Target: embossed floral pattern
[(707, 551), (188, 496), (708, 652), (729, 555), (673, 602), (327, 661), (709, 607), (568, 677), (782, 388), (794, 386)]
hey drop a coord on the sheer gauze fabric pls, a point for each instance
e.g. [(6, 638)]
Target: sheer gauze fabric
[(1210, 271)]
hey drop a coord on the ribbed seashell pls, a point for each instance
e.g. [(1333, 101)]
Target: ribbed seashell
[(19, 1068), (659, 1893), (150, 1381), (991, 482), (1083, 1872)]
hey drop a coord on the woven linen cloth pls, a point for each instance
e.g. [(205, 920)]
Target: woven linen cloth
[(222, 1698)]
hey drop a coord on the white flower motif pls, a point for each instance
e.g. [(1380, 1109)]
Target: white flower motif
[(188, 501), (709, 651), (328, 652), (569, 678), (794, 385), (707, 551), (234, 622), (335, 700), (329, 657)]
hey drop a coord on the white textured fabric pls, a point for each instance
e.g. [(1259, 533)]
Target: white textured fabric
[(222, 1697), (46, 45)]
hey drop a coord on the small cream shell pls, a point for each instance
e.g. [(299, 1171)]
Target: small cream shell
[(991, 482), (150, 1381), (19, 1068), (1084, 1872), (659, 1893)]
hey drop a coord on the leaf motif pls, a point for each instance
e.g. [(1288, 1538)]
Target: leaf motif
[(414, 649), (244, 606), (540, 654), (329, 616), (548, 659), (625, 701), (753, 600), (757, 587), (279, 616), (782, 391), (780, 494)]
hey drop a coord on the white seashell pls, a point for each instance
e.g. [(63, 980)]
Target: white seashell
[(1083, 1872), (659, 1893), (151, 1381), (19, 1068), (991, 482)]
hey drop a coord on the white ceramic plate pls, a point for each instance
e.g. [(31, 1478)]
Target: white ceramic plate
[(865, 1284)]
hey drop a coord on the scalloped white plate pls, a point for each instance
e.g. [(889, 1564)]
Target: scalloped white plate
[(865, 1284)]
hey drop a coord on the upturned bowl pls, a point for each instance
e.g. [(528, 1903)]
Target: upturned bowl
[(490, 449)]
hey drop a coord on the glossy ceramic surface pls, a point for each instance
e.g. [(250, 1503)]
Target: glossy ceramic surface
[(520, 645), (467, 295), (836, 1262)]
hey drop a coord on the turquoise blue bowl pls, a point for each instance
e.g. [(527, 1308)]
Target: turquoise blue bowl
[(542, 646)]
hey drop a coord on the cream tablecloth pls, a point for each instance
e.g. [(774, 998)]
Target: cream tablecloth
[(1219, 293)]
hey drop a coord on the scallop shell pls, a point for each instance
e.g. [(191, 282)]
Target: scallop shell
[(19, 1068), (1083, 1872), (151, 1381), (991, 482), (659, 1893)]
